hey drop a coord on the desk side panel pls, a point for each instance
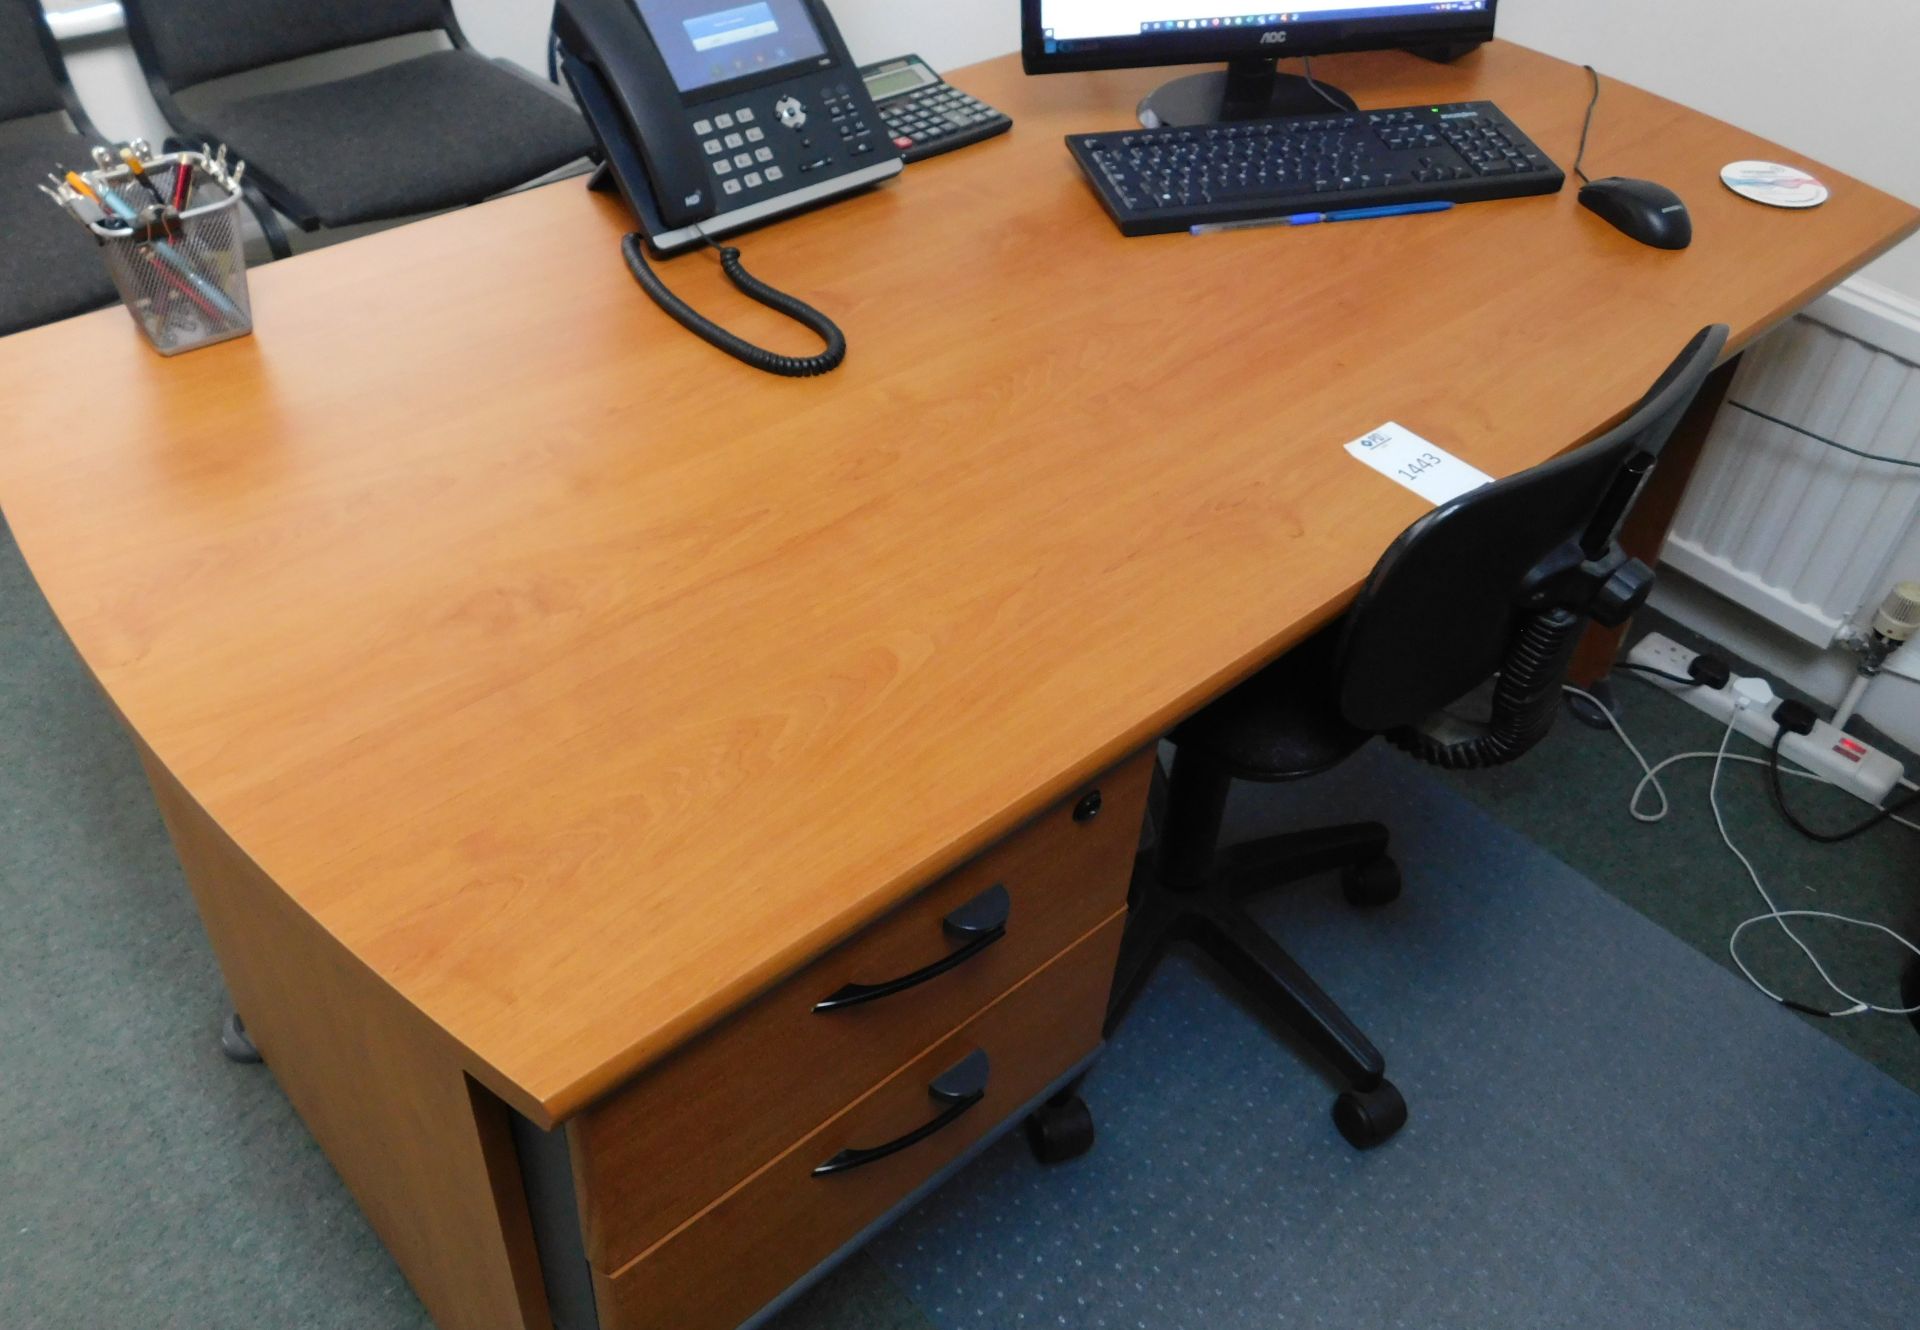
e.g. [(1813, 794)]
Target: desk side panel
[(426, 1153)]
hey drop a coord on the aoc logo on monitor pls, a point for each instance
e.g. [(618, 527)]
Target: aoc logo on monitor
[(1273, 38)]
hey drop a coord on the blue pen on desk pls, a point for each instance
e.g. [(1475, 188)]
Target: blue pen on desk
[(1314, 218)]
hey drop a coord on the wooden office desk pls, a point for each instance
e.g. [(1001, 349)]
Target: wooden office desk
[(528, 687)]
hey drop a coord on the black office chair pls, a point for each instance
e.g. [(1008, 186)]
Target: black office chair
[(49, 268), (440, 130), (1502, 580)]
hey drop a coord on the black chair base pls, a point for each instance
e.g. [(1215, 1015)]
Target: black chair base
[(1185, 891)]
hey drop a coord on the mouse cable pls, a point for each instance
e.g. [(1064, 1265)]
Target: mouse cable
[(1580, 160), (792, 367), (1821, 438)]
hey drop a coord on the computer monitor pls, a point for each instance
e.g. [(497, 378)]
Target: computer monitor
[(1060, 36)]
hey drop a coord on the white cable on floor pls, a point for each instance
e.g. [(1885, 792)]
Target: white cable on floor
[(1651, 771), (1860, 1006)]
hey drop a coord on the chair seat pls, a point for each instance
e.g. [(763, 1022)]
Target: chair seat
[(49, 267), (1282, 724), (439, 131)]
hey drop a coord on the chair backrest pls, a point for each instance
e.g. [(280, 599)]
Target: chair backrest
[(28, 61), (1446, 601), (186, 42)]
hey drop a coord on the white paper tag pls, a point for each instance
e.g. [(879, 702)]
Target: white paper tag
[(1427, 469)]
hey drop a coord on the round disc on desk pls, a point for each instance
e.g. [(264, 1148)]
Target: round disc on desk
[(1775, 185)]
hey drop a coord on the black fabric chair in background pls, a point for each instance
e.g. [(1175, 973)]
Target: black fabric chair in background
[(438, 130), (1501, 581), (49, 267)]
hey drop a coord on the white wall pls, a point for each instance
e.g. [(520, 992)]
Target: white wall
[(1835, 80)]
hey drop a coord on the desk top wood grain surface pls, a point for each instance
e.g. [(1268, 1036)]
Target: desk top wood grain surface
[(584, 683)]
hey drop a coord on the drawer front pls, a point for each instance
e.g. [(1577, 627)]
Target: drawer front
[(658, 1152), (777, 1226)]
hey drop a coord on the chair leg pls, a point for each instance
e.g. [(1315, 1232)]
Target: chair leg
[(1281, 987), (1196, 804), (1274, 861)]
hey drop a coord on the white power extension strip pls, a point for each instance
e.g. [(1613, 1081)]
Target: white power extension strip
[(1834, 755)]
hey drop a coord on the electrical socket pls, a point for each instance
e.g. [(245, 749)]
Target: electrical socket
[(1856, 767)]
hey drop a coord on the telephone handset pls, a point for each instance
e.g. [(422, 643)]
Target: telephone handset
[(715, 115)]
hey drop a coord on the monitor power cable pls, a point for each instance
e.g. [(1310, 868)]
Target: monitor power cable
[(792, 367), (1306, 63), (1720, 757)]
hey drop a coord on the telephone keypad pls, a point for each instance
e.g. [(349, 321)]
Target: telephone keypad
[(760, 150)]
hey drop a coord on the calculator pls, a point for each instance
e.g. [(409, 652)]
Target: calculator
[(923, 113)]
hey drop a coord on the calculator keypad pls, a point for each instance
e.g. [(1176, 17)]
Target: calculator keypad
[(920, 120)]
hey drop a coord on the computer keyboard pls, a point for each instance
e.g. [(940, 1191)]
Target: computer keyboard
[(1158, 180)]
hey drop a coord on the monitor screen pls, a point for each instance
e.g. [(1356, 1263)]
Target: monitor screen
[(1089, 33), (705, 42)]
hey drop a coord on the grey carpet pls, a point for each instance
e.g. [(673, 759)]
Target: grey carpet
[(1607, 1131)]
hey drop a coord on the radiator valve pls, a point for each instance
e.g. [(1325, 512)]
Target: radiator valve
[(1894, 624)]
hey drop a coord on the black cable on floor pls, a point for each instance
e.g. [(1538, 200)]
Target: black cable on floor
[(1778, 788)]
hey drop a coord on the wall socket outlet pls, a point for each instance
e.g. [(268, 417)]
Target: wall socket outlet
[(1852, 764)]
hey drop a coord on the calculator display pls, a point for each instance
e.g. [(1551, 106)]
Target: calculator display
[(886, 85)]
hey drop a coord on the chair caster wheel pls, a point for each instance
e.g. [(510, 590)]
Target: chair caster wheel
[(1370, 1117), (234, 1042), (1372, 884), (1060, 1130)]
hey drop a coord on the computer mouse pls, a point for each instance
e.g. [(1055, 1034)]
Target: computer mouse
[(1650, 213)]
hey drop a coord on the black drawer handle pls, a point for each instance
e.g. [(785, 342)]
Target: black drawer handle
[(960, 1088), (981, 922)]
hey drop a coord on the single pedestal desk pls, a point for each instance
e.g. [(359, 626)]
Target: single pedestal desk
[(550, 713)]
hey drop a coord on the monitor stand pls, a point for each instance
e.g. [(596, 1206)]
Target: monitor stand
[(1244, 90)]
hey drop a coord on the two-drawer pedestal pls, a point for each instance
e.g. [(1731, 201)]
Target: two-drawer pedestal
[(750, 1159)]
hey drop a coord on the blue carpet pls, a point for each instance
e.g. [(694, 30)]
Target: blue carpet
[(1607, 1129)]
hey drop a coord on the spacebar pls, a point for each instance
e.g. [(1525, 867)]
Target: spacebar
[(1291, 201)]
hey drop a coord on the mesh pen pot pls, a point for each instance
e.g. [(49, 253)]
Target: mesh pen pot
[(181, 270)]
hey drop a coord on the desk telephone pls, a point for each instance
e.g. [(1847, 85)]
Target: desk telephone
[(714, 115)]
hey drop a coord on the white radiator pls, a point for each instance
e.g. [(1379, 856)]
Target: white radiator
[(1797, 532)]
